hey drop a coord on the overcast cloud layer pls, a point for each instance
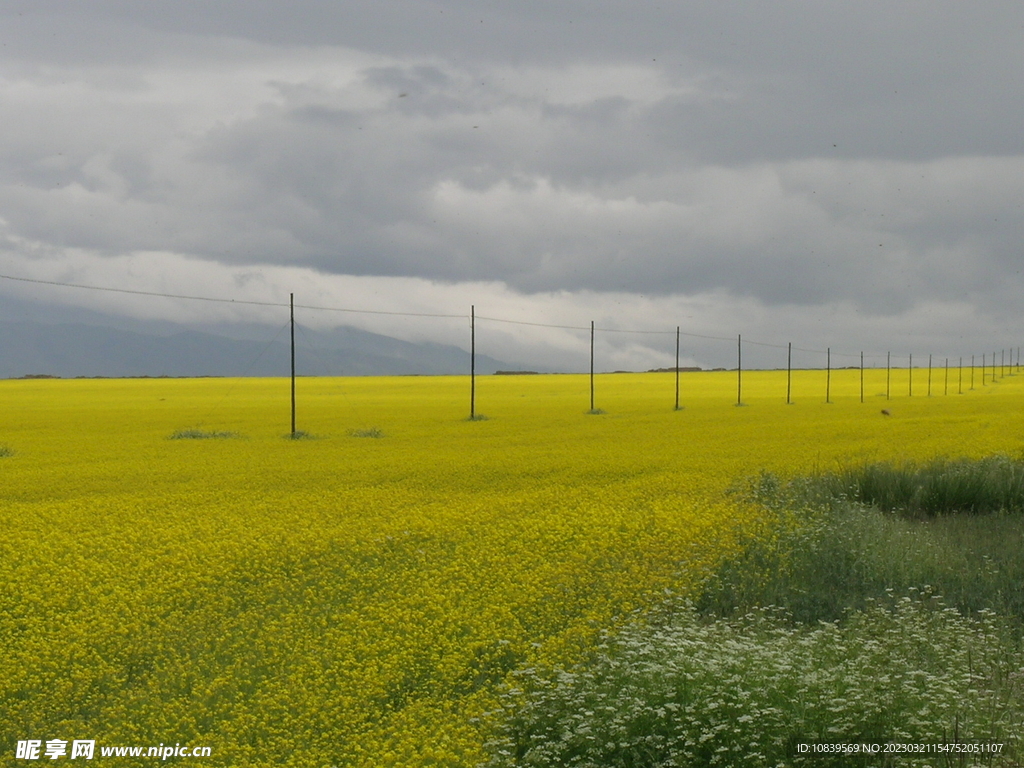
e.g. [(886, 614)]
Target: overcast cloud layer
[(842, 174)]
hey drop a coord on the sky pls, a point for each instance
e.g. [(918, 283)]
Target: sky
[(843, 175)]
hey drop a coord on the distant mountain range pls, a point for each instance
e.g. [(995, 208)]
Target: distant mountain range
[(80, 349)]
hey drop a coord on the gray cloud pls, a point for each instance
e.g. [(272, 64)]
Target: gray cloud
[(863, 155)]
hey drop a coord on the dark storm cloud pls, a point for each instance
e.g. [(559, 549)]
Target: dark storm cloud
[(912, 80), (795, 154)]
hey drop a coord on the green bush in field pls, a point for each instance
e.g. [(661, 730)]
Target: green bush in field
[(746, 691)]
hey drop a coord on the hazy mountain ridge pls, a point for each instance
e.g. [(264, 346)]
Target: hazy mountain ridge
[(80, 349)]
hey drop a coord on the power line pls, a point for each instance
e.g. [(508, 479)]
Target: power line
[(221, 301), (248, 302), (335, 309), (140, 293)]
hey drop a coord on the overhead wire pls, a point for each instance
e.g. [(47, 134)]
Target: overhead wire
[(222, 301), (250, 302)]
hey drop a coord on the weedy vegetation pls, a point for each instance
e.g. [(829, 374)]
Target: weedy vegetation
[(201, 434), (845, 620), (687, 691), (829, 551), (937, 487), (301, 435)]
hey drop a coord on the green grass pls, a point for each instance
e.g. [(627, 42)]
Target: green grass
[(883, 603), (199, 434), (819, 566), (373, 432), (830, 551), (6, 451), (938, 487)]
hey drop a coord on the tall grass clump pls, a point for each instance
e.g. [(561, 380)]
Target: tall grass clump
[(5, 451), (200, 434), (746, 691), (829, 552), (938, 487)]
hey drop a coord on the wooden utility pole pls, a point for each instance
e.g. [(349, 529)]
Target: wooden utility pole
[(888, 374), (739, 369), (472, 362), (291, 309), (591, 365), (828, 374), (789, 373), (677, 367), (862, 375)]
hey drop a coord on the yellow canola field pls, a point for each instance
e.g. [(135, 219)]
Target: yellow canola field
[(354, 600)]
